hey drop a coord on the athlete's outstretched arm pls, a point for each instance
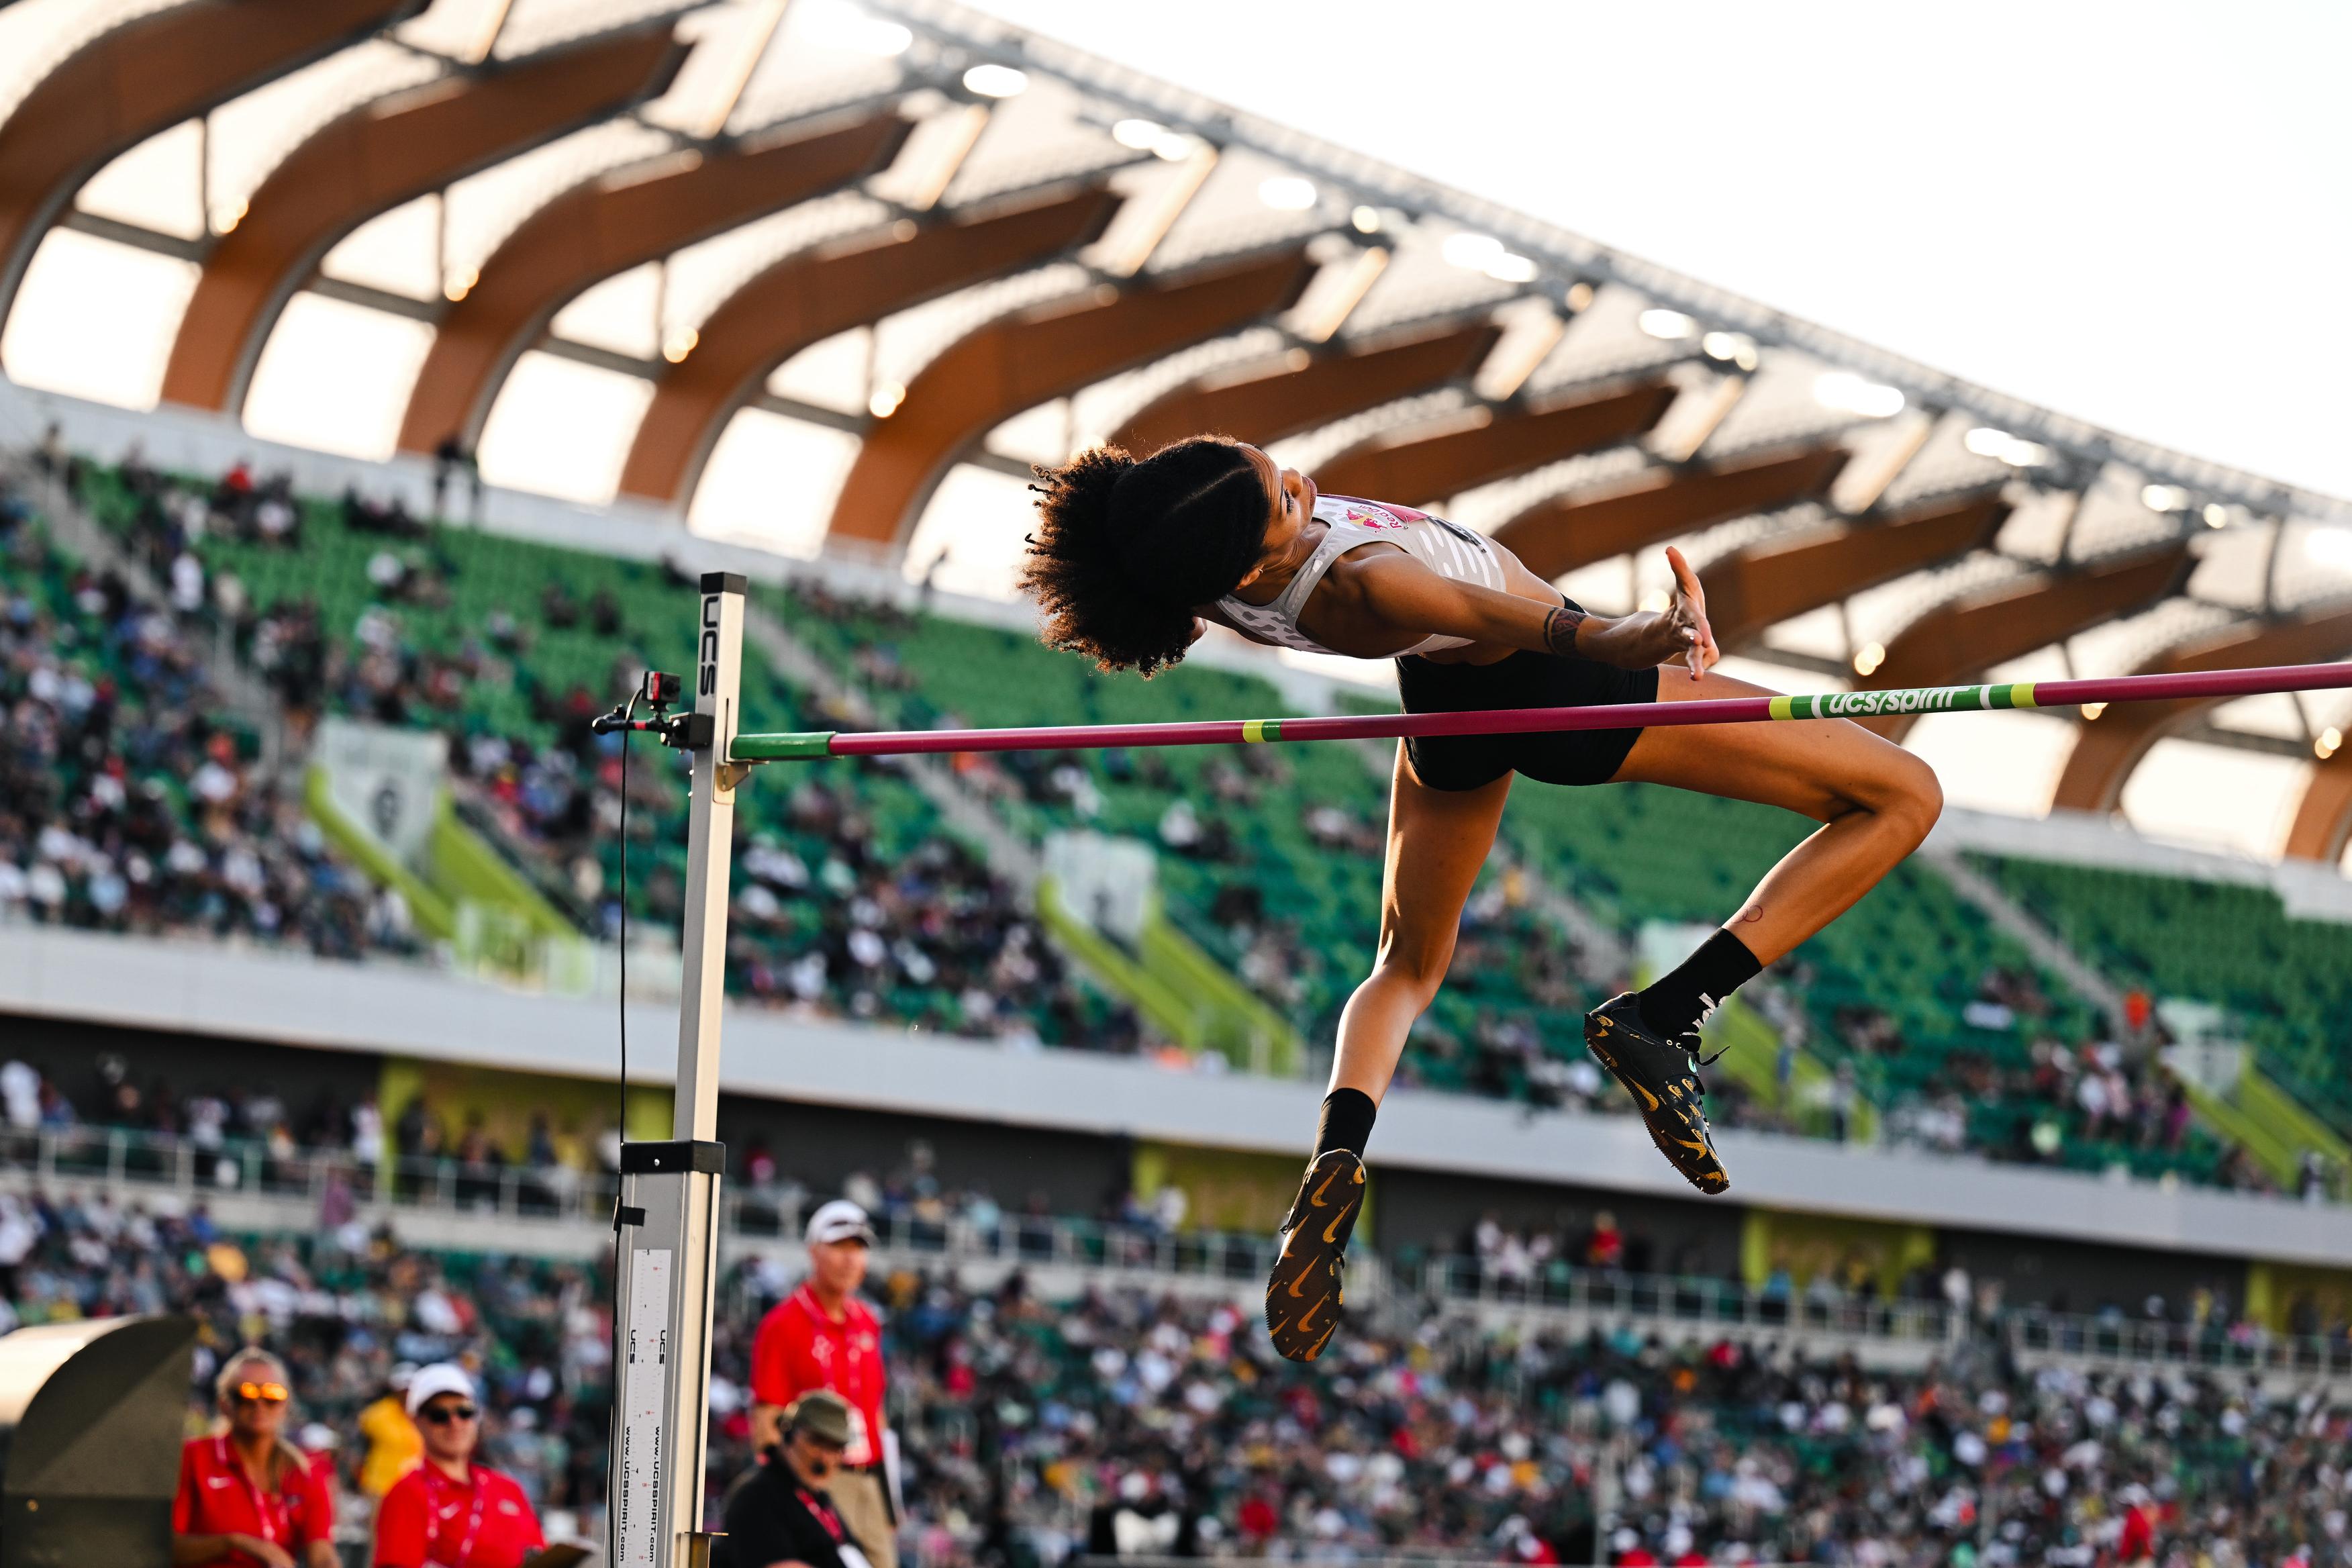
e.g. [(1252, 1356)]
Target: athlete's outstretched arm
[(1402, 593)]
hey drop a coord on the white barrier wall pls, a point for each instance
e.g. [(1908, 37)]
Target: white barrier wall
[(209, 990)]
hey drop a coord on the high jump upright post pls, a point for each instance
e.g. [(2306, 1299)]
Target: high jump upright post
[(667, 1222)]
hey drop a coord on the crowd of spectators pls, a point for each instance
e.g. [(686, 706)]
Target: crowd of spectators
[(832, 917), (1124, 1423), (249, 1137), (1119, 1422), (828, 919), (2108, 1094), (1033, 1424), (352, 1311), (126, 804)]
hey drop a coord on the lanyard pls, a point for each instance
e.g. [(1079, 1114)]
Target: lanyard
[(434, 1481), (264, 1516), (824, 1511)]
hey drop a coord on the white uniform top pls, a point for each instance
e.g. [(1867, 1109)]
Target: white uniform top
[(1450, 551)]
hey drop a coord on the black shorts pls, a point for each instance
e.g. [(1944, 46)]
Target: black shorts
[(1522, 680)]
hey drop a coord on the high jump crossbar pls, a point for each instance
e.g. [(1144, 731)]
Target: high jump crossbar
[(1905, 701)]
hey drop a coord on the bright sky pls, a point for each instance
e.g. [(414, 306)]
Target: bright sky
[(2139, 214)]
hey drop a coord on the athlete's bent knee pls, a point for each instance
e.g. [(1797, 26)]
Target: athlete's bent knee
[(1915, 796)]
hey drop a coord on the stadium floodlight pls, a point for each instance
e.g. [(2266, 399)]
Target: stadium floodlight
[(1365, 219), (2216, 515), (1850, 393), (2329, 546), (856, 30), (1732, 348), (993, 80), (1287, 193), (1671, 325), (1485, 253), (2164, 498), (2015, 450), (1142, 135), (1475, 252), (2330, 742), (1868, 658)]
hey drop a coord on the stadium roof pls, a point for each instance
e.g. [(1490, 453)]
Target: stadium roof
[(838, 268)]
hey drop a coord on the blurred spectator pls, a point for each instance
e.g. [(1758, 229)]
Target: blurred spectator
[(451, 1510), (247, 1498), (823, 1337)]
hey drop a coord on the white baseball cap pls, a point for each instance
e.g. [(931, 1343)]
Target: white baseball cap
[(840, 1220), (432, 1382)]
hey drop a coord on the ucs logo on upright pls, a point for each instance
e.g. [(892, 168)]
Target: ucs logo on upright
[(708, 683)]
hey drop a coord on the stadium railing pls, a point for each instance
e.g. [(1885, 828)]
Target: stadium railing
[(134, 1165)]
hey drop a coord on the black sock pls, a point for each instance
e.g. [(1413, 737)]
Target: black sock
[(1676, 1001), (1347, 1122)]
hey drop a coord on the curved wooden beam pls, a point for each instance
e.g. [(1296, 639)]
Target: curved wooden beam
[(1260, 403), (145, 77), (1418, 464), (604, 227), (810, 296), (1029, 357), (1555, 537), (2108, 749), (1774, 579), (2323, 822), (1962, 637), (372, 158)]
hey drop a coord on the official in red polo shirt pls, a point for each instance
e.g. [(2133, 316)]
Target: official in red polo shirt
[(822, 1336), (450, 1511), (247, 1498)]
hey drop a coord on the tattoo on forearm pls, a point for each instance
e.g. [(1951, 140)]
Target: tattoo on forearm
[(1559, 629)]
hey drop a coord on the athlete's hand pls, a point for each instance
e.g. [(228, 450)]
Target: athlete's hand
[(1646, 639), (1686, 617)]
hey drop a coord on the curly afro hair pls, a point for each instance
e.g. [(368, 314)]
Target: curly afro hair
[(1126, 548)]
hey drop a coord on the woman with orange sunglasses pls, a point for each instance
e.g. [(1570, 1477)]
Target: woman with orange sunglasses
[(247, 1498)]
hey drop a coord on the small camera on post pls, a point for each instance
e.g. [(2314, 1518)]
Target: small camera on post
[(657, 691)]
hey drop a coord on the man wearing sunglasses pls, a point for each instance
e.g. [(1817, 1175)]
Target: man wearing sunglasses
[(449, 1512), (247, 1498)]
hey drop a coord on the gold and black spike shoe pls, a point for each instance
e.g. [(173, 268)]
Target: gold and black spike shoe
[(1303, 1294), (1662, 1075)]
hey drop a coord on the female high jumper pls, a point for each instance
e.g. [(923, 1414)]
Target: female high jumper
[(1130, 556)]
